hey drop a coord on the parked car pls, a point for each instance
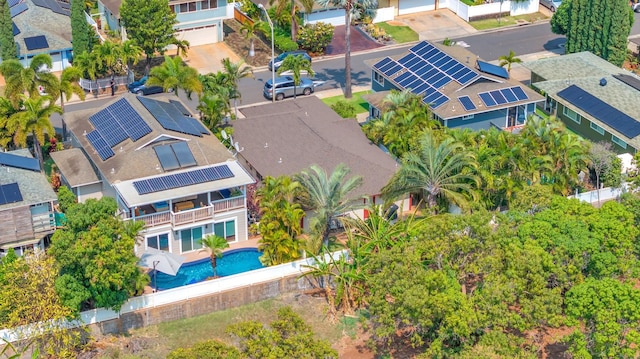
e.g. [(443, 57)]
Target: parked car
[(284, 88), (144, 90), (137, 83), (635, 5), (551, 4), (280, 58)]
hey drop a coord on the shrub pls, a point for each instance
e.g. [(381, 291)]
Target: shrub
[(315, 38), (344, 109), (284, 43), (66, 198)]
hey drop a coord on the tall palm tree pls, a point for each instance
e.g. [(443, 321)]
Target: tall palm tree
[(296, 64), (69, 84), (507, 60), (6, 110), (20, 80), (173, 74), (213, 107), (130, 54), (250, 29), (358, 8), (33, 119), (214, 245), (182, 46), (108, 54), (327, 196), (89, 63), (437, 170), (234, 72)]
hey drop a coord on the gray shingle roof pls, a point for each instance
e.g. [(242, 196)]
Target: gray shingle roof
[(34, 186), (75, 167), (40, 21)]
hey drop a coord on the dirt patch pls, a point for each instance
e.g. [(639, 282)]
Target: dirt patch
[(549, 340), (396, 23), (238, 42)]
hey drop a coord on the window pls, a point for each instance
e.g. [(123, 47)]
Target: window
[(190, 239), (188, 7), (375, 113), (208, 4), (597, 128), (378, 78), (225, 230), (467, 117), (618, 141), (160, 241), (571, 114)]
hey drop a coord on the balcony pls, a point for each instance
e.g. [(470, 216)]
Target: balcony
[(184, 213)]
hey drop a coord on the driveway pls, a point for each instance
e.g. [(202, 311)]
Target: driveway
[(208, 58), (436, 25), (359, 41)]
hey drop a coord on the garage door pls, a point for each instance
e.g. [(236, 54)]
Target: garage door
[(412, 6), (334, 17), (200, 36)]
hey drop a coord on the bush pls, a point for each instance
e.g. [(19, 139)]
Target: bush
[(284, 43), (66, 198), (344, 109), (315, 38)]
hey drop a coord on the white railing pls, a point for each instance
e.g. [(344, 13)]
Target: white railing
[(188, 292), (606, 194), (102, 84), (467, 12), (191, 215)]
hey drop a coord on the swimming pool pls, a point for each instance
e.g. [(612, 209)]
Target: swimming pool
[(232, 262)]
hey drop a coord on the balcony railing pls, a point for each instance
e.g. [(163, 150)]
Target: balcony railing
[(192, 215)]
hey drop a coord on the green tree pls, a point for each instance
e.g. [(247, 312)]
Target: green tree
[(149, 23), (613, 18), (130, 54), (327, 197), (358, 9), (215, 245), (210, 349), (88, 63), (69, 84), (601, 158), (80, 29), (250, 29), (213, 108), (20, 80), (233, 73), (508, 60), (437, 170), (296, 64), (66, 198), (7, 43), (182, 47), (173, 75)]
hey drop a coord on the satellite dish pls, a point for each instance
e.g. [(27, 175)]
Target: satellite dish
[(238, 149), (224, 134)]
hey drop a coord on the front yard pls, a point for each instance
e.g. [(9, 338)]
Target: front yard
[(507, 21), (360, 105)]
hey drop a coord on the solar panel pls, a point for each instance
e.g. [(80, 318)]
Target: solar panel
[(54, 6), (159, 111), (13, 3), (16, 31), (509, 95), (10, 193), (393, 69), (22, 162), (64, 5), (519, 93), (382, 62), (197, 125), (183, 154), (108, 127), (487, 99), (100, 145), (18, 9), (40, 3), (602, 111), (36, 42), (630, 80), (467, 103), (439, 101), (129, 119), (180, 107), (167, 158), (492, 69), (500, 100), (182, 179)]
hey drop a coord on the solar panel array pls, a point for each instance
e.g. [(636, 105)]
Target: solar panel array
[(602, 111), (10, 193), (18, 9), (493, 69), (22, 162), (180, 107), (174, 156), (177, 180), (503, 96), (53, 5), (171, 118), (467, 103), (424, 70), (100, 145), (36, 42), (630, 80), (16, 31)]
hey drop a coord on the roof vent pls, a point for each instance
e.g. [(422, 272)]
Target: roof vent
[(603, 82)]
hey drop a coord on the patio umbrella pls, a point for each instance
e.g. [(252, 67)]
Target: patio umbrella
[(162, 261)]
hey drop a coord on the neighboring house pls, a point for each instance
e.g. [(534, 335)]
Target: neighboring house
[(42, 27), (199, 22), (162, 166), (73, 165), (461, 90), (26, 203), (287, 137), (593, 97)]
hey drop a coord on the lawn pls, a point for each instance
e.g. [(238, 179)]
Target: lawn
[(361, 105), (506, 21), (400, 34)]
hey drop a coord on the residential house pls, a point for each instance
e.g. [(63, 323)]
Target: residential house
[(162, 166), (42, 27), (288, 137), (26, 203), (461, 90), (593, 97), (199, 21)]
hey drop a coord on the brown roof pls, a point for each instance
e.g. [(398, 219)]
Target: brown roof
[(113, 6), (138, 159), (75, 167), (287, 137)]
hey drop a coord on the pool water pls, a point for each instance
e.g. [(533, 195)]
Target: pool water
[(232, 262)]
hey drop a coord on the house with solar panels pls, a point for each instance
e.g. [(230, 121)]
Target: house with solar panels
[(162, 166), (461, 90), (26, 203), (593, 97), (42, 27)]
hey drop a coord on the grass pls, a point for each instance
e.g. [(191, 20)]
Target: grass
[(400, 34), (505, 21), (361, 105)]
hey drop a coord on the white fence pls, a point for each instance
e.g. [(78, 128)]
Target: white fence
[(185, 293), (467, 12), (606, 194), (335, 17), (102, 84)]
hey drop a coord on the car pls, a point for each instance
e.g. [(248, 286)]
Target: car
[(138, 83), (280, 58), (144, 90), (551, 4), (635, 5), (285, 88)]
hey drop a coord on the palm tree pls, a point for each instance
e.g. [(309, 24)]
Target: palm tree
[(507, 60), (296, 64), (173, 74), (6, 110), (214, 245), (182, 46), (20, 80), (250, 29), (69, 84), (327, 196), (130, 53), (213, 107), (33, 119), (87, 62), (437, 170), (108, 55), (359, 8), (233, 73)]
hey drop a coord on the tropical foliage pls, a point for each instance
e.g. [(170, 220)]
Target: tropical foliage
[(214, 245), (296, 65), (7, 43), (174, 75)]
